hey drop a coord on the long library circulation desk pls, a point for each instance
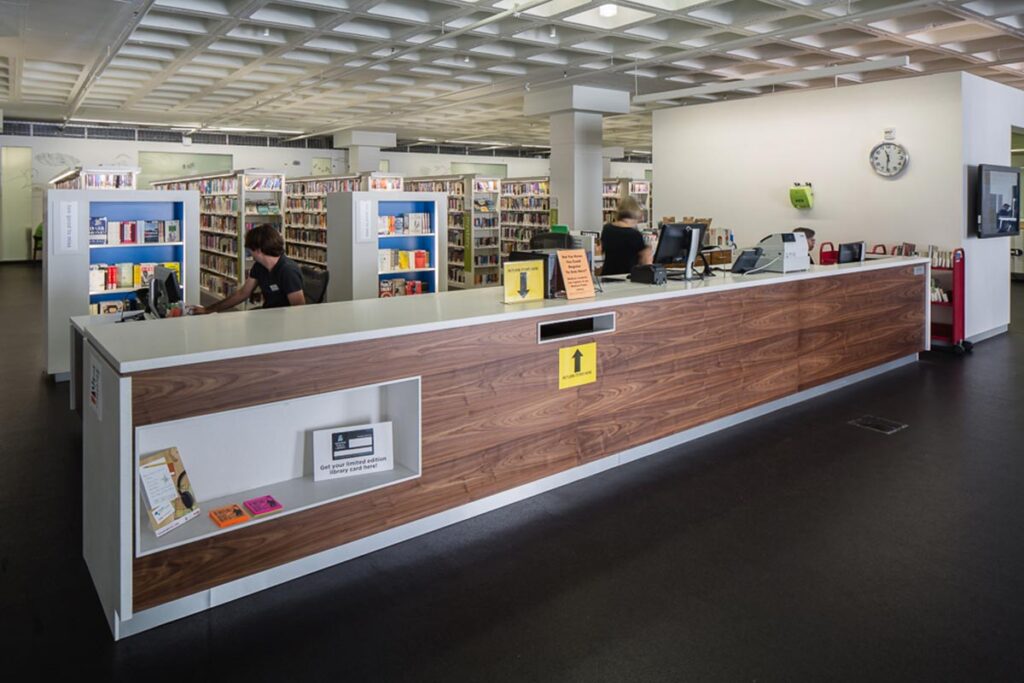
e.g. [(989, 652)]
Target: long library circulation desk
[(472, 388)]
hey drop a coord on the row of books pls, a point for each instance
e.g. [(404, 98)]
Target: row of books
[(301, 235), (483, 205), (306, 253), (324, 186), (222, 264), (387, 183), (106, 307), (451, 187), (391, 260), (406, 224), (107, 181), (938, 293), (941, 258), (485, 221), (461, 277), (492, 185), (103, 231), (220, 243), (528, 187), (313, 220), (455, 255), (455, 204), (216, 284), (305, 204), (262, 209), (221, 223), (517, 233), (218, 204), (263, 183), (484, 242), (400, 287), (485, 260), (525, 203), (107, 276)]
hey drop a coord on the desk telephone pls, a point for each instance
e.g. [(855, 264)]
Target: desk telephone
[(747, 260)]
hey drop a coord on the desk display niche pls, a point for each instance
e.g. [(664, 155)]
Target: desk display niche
[(385, 244), (101, 246)]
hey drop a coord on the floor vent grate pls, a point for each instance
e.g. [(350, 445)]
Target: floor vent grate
[(878, 424)]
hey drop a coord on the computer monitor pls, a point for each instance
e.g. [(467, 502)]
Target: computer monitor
[(679, 244), (851, 252), (163, 291), (551, 240)]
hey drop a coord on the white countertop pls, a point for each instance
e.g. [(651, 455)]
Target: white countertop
[(148, 345)]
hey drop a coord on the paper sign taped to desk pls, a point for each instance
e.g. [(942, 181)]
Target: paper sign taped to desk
[(577, 365)]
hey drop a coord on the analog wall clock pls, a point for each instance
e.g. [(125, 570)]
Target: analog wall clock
[(889, 159)]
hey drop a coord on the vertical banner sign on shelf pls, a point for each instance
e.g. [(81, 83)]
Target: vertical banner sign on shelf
[(66, 239), (365, 231), (467, 242)]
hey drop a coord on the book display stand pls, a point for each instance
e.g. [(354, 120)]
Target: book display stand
[(305, 215), (383, 244), (100, 247)]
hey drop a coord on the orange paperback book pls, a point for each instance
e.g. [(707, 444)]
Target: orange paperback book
[(229, 515)]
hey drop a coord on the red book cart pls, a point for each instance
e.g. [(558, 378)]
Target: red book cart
[(950, 333)]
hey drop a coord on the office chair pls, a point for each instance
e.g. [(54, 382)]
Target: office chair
[(314, 284)]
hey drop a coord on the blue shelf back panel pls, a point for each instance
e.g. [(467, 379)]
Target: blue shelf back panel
[(150, 253), (137, 211), (396, 208)]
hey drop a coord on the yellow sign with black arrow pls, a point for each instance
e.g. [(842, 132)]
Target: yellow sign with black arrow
[(577, 365), (524, 281)]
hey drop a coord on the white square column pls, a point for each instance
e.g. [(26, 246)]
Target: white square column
[(576, 168)]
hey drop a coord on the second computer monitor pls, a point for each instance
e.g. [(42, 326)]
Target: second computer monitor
[(852, 252), (675, 241)]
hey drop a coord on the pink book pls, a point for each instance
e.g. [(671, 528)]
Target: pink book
[(262, 505)]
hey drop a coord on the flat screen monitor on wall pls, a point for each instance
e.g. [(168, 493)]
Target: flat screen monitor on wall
[(998, 201)]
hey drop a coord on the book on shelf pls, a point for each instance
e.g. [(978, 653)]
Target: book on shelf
[(406, 224), (108, 307), (98, 230), (390, 260), (129, 232), (172, 230), (166, 491)]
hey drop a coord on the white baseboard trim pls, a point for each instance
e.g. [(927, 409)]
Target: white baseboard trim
[(183, 607), (994, 332)]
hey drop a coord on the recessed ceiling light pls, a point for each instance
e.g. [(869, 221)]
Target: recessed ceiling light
[(266, 32), (553, 33), (608, 10), (466, 59)]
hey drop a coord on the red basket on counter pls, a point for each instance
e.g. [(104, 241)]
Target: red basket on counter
[(828, 257)]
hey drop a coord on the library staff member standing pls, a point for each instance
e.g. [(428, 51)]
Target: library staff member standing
[(279, 278), (623, 245)]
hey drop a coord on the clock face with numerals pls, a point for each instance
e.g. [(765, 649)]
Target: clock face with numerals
[(889, 159)]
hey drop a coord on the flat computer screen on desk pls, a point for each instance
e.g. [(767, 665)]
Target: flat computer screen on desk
[(852, 252), (677, 244), (164, 292)]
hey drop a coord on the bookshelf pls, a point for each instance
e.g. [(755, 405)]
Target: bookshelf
[(612, 190), (473, 227), (382, 244), (305, 215), (101, 247), (641, 189), (97, 178), (381, 182), (230, 204), (526, 208)]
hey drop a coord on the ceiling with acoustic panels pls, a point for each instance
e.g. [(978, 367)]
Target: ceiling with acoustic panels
[(454, 70)]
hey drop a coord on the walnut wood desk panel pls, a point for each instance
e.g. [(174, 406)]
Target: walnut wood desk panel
[(493, 417)]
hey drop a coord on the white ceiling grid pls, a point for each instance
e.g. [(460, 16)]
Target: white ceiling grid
[(457, 70)]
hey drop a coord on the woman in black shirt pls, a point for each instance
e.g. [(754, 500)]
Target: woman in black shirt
[(623, 245)]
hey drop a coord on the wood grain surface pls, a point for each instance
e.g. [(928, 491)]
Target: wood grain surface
[(494, 418)]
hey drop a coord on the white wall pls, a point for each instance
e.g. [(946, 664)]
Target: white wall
[(990, 112), (734, 161)]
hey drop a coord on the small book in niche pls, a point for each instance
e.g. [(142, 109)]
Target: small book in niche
[(170, 500), (229, 515), (262, 505)]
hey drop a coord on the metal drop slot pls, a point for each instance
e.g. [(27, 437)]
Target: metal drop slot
[(571, 328)]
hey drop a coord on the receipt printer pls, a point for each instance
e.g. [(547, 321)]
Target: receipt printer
[(784, 252)]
